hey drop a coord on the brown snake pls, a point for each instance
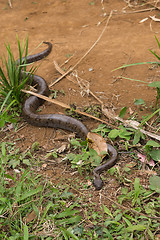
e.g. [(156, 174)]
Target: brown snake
[(61, 121)]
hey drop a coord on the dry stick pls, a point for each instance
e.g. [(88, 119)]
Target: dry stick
[(154, 5), (63, 105), (71, 69), (72, 80), (132, 12), (129, 123), (10, 4)]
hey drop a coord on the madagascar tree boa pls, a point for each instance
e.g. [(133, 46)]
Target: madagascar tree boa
[(32, 103)]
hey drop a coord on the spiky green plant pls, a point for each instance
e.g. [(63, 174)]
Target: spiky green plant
[(13, 81)]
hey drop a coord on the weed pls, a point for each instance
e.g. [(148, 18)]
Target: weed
[(152, 150), (85, 160), (153, 84), (94, 110), (12, 83), (32, 207)]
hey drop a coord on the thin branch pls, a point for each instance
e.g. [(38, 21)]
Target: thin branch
[(108, 114), (10, 4), (130, 123), (72, 80), (65, 106)]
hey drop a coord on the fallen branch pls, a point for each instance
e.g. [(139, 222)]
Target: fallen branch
[(61, 104), (108, 114), (10, 4)]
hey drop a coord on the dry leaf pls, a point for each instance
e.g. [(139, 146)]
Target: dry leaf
[(62, 148), (131, 165), (141, 157), (97, 142), (31, 216), (151, 163), (131, 111), (89, 182), (44, 165)]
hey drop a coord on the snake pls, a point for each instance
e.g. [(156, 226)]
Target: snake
[(58, 121)]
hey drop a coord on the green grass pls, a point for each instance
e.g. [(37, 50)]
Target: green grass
[(12, 81), (34, 207), (71, 209), (155, 84)]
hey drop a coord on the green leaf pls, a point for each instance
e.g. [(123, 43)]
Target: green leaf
[(150, 234), (107, 211), (36, 210), (50, 204), (137, 137), (156, 55), (152, 143), (75, 142), (113, 133), (66, 213), (3, 149), (136, 185), (139, 102), (68, 233), (138, 227), (2, 199), (127, 221), (30, 193), (108, 235), (155, 154), (123, 112), (9, 176), (154, 183), (154, 84), (2, 123), (71, 220), (25, 233)]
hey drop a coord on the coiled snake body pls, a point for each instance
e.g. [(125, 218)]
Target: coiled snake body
[(59, 120)]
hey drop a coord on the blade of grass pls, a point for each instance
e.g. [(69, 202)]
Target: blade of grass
[(135, 64), (25, 233), (2, 106), (30, 193), (136, 80), (157, 42), (149, 117), (155, 54)]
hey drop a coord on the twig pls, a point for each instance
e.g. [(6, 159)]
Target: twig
[(154, 5), (10, 4), (64, 106), (72, 68), (72, 80), (130, 123)]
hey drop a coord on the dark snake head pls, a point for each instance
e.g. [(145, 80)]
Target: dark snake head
[(98, 183)]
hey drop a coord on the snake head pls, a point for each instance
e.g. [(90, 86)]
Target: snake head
[(98, 183)]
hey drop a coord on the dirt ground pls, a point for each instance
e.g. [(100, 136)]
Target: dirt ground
[(73, 27)]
